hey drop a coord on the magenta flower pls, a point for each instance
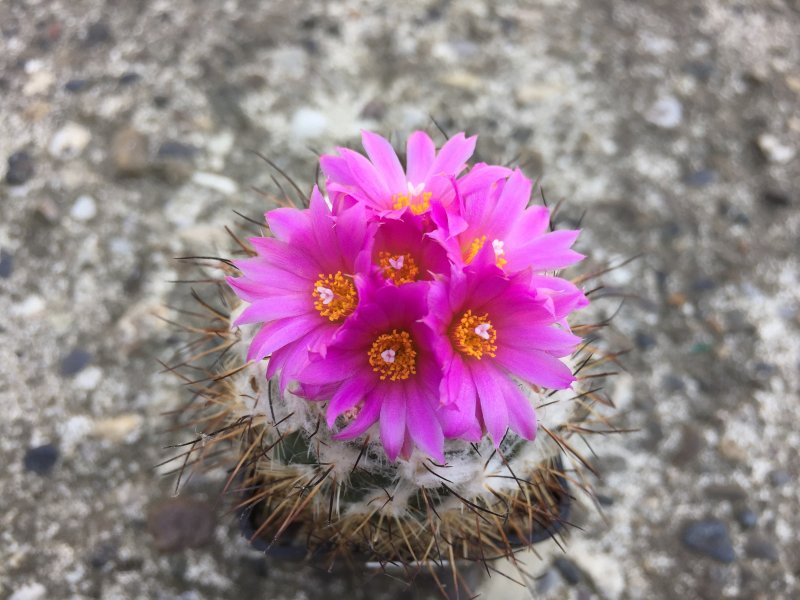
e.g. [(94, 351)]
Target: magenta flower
[(404, 252), (302, 284), (491, 328), (492, 210), (383, 369), (382, 184)]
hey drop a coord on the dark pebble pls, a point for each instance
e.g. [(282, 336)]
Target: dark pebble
[(98, 33), (700, 178), (160, 101), (760, 547), (701, 71), (20, 168), (690, 445), (725, 491), (6, 264), (180, 523), (710, 538), (568, 569), (547, 582), (779, 477), (256, 565), (75, 86), (173, 149), (41, 460), (673, 383), (103, 554), (129, 78), (703, 284), (74, 362), (747, 518), (644, 341), (374, 109), (604, 500), (776, 198)]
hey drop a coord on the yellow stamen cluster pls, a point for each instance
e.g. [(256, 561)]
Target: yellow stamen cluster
[(476, 246), (335, 296), (400, 268), (474, 335), (418, 204), (392, 356)]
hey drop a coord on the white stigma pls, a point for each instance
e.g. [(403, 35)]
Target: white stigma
[(498, 247), (415, 190), (388, 356), (482, 330), (397, 263), (325, 294)]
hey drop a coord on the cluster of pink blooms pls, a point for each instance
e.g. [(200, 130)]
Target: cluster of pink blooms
[(420, 298)]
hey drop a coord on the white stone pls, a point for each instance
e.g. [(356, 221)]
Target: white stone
[(88, 378), (666, 112), (69, 141), (222, 143), (30, 306), (29, 591), (775, 150), (38, 83), (84, 209), (308, 123), (119, 428), (221, 184)]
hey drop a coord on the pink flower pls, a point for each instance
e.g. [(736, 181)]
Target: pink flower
[(404, 252), (301, 285), (492, 210), (491, 327), (380, 181), (382, 369)]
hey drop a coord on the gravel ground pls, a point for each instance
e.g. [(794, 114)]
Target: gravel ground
[(125, 138)]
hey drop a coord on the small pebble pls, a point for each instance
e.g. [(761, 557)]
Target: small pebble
[(20, 168), (666, 112), (84, 209), (758, 546), (173, 149), (747, 518), (75, 86), (98, 33), (779, 477), (89, 378), (29, 591), (69, 141), (308, 123), (30, 306), (41, 460), (568, 569), (129, 77), (180, 523), (710, 538), (725, 491), (700, 178), (774, 150), (6, 264), (129, 151), (547, 582), (74, 362), (776, 198), (223, 185), (644, 341)]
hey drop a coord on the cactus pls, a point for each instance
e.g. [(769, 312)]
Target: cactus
[(306, 491)]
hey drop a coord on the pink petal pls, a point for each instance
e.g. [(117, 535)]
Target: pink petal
[(420, 152), (277, 334), (335, 366), (271, 309), (423, 425), (393, 418), (453, 156), (549, 251), (385, 159), (367, 178), (490, 394), (336, 169), (366, 417), (287, 224), (536, 367), (521, 414), (349, 394)]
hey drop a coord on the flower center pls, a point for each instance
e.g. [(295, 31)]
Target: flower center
[(392, 356), (335, 296), (477, 244), (416, 199), (400, 268), (474, 335)]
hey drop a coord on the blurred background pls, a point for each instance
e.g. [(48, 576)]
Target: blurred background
[(125, 138)]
